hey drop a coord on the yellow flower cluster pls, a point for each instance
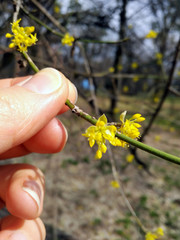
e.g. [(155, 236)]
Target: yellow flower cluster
[(56, 9), (130, 158), (130, 26), (130, 127), (135, 79), (115, 184), (159, 58), (111, 69), (156, 99), (151, 34), (157, 138), (67, 39), (22, 37), (125, 89), (134, 65), (156, 235), (102, 132), (120, 67)]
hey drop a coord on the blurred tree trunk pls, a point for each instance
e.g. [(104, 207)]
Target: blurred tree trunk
[(118, 57)]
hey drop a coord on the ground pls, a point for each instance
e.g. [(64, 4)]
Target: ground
[(80, 202)]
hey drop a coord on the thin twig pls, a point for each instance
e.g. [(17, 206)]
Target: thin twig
[(91, 82), (41, 23), (174, 91), (49, 16), (166, 156), (62, 34), (17, 5)]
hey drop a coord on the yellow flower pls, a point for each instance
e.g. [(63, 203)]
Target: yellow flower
[(22, 37), (134, 65), (156, 235), (151, 34), (115, 184), (56, 9), (130, 26), (115, 110), (159, 58), (125, 89), (135, 79), (111, 69), (156, 99), (130, 158), (119, 67), (172, 129), (100, 133), (160, 231), (157, 138), (130, 126), (151, 236), (159, 55), (67, 39)]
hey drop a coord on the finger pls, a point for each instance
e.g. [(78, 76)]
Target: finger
[(22, 190), (26, 109), (50, 139), (2, 204), (17, 151), (13, 228), (72, 96)]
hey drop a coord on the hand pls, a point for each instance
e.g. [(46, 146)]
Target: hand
[(28, 106)]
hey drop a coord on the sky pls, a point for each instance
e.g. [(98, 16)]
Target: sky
[(138, 15), (136, 11)]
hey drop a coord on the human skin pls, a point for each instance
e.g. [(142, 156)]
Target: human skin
[(28, 109)]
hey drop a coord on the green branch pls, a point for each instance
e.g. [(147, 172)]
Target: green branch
[(149, 149), (75, 109), (30, 61), (144, 147)]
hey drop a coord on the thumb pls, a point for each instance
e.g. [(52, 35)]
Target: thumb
[(28, 106)]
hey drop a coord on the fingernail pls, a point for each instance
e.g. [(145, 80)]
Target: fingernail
[(24, 81), (17, 236), (45, 81), (34, 190)]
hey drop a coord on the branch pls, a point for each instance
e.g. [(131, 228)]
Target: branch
[(61, 35), (166, 91), (91, 81), (49, 16), (174, 91), (169, 157), (17, 5)]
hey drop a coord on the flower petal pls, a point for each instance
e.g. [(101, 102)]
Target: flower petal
[(122, 116)]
